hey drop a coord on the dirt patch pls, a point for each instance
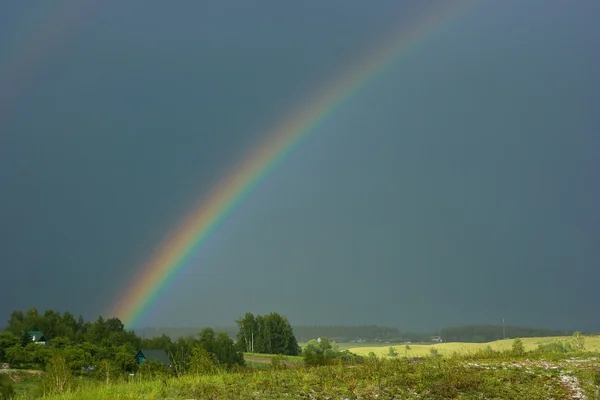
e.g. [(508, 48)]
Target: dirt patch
[(21, 371), (266, 360)]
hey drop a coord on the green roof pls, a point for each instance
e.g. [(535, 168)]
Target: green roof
[(156, 355), (37, 336)]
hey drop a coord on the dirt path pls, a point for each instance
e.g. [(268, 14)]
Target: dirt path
[(265, 360), (21, 371)]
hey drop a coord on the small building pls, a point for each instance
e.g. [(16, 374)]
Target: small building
[(38, 337), (153, 355)]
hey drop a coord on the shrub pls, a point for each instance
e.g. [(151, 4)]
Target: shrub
[(58, 378), (578, 341), (202, 362), (518, 349), (555, 348), (107, 371)]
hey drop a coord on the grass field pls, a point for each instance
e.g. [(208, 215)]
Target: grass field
[(592, 343), (459, 372), (434, 379)]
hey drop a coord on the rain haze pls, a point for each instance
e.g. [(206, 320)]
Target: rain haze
[(459, 185)]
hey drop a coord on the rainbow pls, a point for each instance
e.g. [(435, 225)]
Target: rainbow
[(173, 255)]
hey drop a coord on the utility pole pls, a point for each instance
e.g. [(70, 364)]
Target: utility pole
[(252, 341), (503, 329)]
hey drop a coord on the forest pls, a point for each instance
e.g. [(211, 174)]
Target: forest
[(105, 346), (490, 333)]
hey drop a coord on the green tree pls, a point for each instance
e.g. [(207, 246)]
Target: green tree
[(76, 357), (247, 327), (206, 338), (274, 335), (97, 332), (17, 355), (33, 319), (123, 357), (37, 354), (16, 322), (162, 342), (226, 351), (518, 349), (181, 353), (25, 338), (392, 352), (221, 347), (321, 351), (7, 339), (202, 362), (60, 342)]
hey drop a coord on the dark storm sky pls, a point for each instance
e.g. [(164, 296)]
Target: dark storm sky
[(460, 186)]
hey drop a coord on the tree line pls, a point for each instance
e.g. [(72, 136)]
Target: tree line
[(107, 348), (369, 333), (490, 333), (267, 334)]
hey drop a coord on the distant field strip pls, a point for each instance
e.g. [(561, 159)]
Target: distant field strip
[(592, 343)]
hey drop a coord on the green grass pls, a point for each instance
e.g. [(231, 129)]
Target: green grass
[(461, 372), (391, 379), (25, 383)]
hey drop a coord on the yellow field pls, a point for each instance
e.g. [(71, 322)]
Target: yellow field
[(592, 343)]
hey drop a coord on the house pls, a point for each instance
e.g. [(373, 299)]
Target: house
[(38, 337), (153, 355), (437, 339)]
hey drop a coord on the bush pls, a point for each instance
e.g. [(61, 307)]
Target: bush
[(58, 378), (324, 352), (154, 369), (349, 357), (107, 371), (202, 362), (518, 349), (312, 359), (555, 347), (578, 341)]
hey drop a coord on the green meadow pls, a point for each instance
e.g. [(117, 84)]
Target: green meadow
[(542, 368)]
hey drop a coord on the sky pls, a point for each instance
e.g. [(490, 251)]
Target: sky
[(459, 186)]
